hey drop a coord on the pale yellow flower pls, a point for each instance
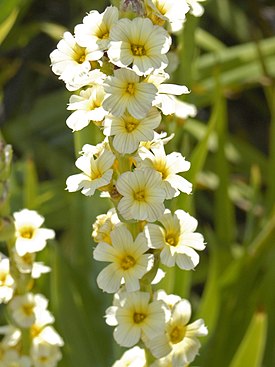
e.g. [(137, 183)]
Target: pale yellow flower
[(96, 166), (177, 239), (70, 59), (44, 354), (134, 357), (104, 225), (143, 195), (29, 236), (172, 11), (136, 317), (139, 43), (6, 280), (25, 307), (95, 30), (87, 106), (180, 342), (127, 92), (168, 166), (127, 258), (128, 131)]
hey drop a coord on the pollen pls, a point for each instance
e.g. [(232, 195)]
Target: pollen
[(95, 173), (103, 34), (80, 54), (161, 167), (177, 334), (26, 232), (138, 50), (131, 124), (28, 309), (131, 88), (171, 240), (127, 262), (139, 317), (139, 195)]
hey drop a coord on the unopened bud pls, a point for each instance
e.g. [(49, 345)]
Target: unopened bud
[(134, 7)]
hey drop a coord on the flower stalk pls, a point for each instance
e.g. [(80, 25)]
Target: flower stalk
[(139, 237), (28, 338)]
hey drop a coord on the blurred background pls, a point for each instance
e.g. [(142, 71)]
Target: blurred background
[(227, 59)]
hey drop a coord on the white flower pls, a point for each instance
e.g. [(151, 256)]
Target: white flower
[(142, 193), (6, 280), (168, 166), (195, 7), (11, 336), (26, 264), (24, 308), (44, 354), (96, 170), (177, 239), (165, 99), (95, 30), (157, 141), (136, 317), (87, 106), (180, 340), (86, 78), (139, 43), (128, 260), (11, 358), (103, 226), (184, 109), (169, 299), (126, 92), (70, 59), (129, 132), (134, 357), (29, 236), (174, 11)]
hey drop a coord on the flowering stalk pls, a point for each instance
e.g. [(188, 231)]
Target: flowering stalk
[(29, 340), (116, 65)]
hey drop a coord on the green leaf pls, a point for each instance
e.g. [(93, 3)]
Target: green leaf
[(7, 24), (251, 349)]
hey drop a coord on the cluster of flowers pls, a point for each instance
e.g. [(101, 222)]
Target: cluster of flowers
[(30, 339), (116, 64)]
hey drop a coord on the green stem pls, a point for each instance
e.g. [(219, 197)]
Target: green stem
[(149, 358)]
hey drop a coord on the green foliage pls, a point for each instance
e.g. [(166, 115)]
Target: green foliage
[(231, 145)]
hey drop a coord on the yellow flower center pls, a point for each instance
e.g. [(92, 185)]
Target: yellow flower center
[(156, 19), (131, 88), (105, 35), (93, 105), (95, 174), (171, 239), (138, 50), (28, 309), (161, 8), (139, 317), (28, 258), (161, 167), (127, 262), (35, 331), (26, 232), (139, 195), (103, 32), (3, 277), (131, 124), (43, 359), (177, 334), (79, 54)]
